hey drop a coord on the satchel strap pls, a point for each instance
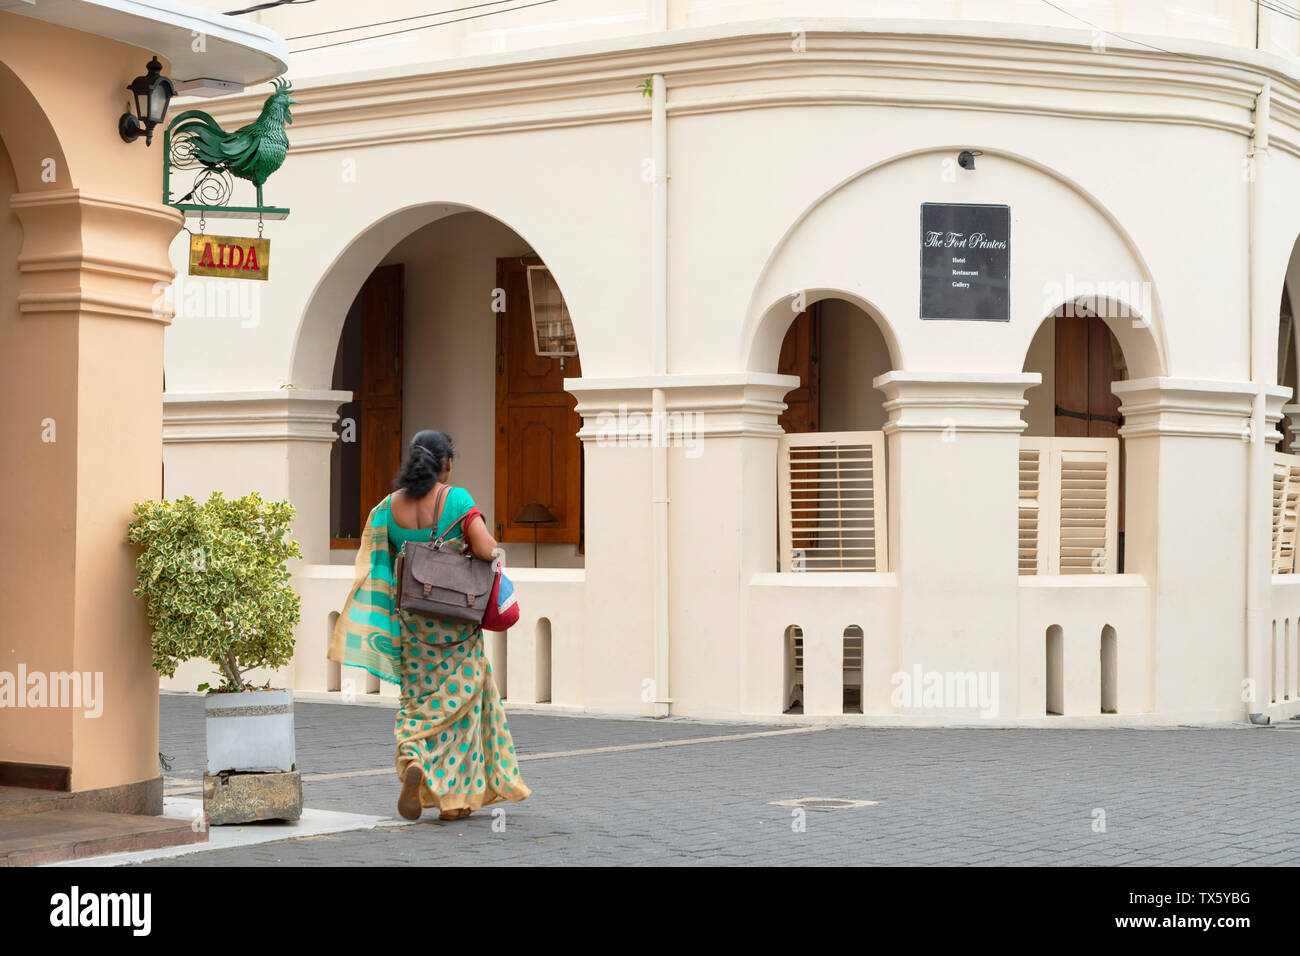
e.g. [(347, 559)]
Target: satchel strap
[(439, 541), (439, 504)]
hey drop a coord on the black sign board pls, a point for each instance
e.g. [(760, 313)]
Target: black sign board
[(965, 262)]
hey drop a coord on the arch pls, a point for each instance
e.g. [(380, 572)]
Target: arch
[(316, 338), (28, 136), (777, 277), (765, 347), (1130, 328)]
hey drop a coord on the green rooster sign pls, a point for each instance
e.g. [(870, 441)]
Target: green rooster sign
[(252, 153)]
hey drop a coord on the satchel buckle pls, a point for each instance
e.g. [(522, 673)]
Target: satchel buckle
[(469, 599), (427, 589)]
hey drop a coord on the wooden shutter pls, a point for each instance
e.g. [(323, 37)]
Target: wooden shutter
[(1068, 489), (380, 424), (1286, 506), (538, 455), (1034, 456), (1087, 525), (831, 506)]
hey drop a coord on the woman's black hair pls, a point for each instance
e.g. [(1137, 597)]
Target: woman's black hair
[(426, 459)]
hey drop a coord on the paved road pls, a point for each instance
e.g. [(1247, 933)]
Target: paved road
[(991, 797)]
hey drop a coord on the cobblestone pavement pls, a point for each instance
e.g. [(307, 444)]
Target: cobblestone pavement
[(991, 797)]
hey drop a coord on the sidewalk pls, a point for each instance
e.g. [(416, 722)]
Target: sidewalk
[(663, 792)]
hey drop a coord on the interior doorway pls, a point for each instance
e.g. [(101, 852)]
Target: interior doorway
[(462, 327), (368, 364)]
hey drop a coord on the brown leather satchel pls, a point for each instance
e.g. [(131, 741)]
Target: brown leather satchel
[(441, 582)]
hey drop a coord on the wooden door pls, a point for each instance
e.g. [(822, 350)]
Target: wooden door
[(1088, 362), (380, 420), (538, 455), (801, 355)]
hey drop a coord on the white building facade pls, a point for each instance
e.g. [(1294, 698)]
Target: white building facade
[(786, 487)]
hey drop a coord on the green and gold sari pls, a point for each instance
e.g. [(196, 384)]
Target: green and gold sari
[(450, 718)]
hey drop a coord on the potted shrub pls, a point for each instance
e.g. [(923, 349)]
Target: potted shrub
[(216, 586)]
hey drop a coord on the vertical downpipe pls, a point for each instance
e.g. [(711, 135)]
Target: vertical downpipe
[(1258, 571), (659, 366)]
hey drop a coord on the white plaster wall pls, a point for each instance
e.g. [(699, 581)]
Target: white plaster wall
[(768, 198), (578, 201)]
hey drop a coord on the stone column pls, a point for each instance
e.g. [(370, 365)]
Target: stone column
[(1187, 445), (82, 389), (953, 446)]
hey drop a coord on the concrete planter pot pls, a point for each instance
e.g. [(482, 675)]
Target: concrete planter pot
[(250, 733)]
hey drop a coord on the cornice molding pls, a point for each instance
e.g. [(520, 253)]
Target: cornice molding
[(620, 412), (955, 403), (254, 416), (96, 255), (1195, 408), (1038, 71)]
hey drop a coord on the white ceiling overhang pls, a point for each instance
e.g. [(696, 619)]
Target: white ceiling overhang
[(232, 50)]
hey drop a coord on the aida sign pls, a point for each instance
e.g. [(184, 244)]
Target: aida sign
[(230, 257)]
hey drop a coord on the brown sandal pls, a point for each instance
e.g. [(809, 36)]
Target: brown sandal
[(408, 802), (458, 814)]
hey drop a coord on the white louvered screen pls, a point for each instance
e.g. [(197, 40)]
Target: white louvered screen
[(1088, 530), (831, 488), (1034, 455), (1286, 505), (1068, 505)]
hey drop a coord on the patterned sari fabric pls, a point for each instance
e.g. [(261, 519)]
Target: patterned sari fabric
[(450, 719)]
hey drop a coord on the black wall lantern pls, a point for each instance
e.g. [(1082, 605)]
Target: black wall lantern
[(152, 93)]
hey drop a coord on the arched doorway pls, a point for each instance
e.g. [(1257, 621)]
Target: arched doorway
[(450, 331), (832, 513), (1080, 359)]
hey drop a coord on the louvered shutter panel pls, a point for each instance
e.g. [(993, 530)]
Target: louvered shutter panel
[(1069, 509), (832, 501), (1034, 454), (1085, 476), (1286, 506)]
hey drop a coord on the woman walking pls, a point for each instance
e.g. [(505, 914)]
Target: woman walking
[(454, 749)]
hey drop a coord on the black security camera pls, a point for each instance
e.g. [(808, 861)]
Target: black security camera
[(966, 158)]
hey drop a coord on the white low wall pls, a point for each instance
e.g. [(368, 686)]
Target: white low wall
[(1082, 606), (822, 605), (538, 660), (1279, 695)]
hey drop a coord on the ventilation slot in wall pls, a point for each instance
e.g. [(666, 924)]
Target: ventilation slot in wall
[(1109, 670), (1055, 670), (854, 667), (792, 673)]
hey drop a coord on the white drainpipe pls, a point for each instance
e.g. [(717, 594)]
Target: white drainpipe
[(1262, 355), (659, 366)]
